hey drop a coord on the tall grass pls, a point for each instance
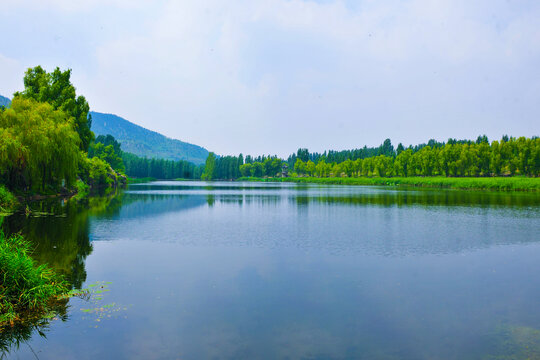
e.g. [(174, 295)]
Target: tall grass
[(26, 288), (472, 183)]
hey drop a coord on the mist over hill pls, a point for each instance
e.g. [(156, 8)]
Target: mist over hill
[(143, 142)]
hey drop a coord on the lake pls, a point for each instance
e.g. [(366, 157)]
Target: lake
[(226, 270)]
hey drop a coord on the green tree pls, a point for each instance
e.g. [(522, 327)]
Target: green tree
[(402, 162), (56, 89), (40, 147), (300, 166), (209, 167), (245, 169)]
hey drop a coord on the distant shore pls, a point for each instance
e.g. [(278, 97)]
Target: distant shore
[(461, 183)]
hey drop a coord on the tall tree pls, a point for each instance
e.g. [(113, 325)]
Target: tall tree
[(56, 89), (210, 167)]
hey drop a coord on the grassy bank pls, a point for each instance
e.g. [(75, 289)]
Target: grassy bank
[(480, 183), (26, 289), (140, 180)]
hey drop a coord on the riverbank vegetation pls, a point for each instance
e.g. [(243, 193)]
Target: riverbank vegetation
[(508, 164), (476, 183), (46, 149), (45, 138), (141, 180), (26, 289), (8, 202)]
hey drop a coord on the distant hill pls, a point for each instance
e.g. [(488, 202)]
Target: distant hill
[(143, 142), (4, 101)]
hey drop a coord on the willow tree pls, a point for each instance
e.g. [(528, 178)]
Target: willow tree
[(39, 146), (56, 89)]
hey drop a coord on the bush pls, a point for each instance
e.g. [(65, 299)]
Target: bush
[(97, 173)]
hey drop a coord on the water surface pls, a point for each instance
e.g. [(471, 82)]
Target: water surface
[(194, 270)]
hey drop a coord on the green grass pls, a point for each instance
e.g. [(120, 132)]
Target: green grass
[(8, 201), (140, 180), (26, 289), (466, 183)]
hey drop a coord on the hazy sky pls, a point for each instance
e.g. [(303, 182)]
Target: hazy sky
[(271, 76)]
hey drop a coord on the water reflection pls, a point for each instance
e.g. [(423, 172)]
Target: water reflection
[(59, 231), (20, 334), (300, 271)]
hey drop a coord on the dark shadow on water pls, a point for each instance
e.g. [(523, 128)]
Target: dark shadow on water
[(59, 232)]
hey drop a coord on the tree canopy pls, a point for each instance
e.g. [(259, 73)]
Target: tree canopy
[(39, 146), (56, 89)]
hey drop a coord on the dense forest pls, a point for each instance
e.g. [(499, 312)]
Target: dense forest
[(139, 167), (109, 150)]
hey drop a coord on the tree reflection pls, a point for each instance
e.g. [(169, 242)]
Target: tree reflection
[(60, 233)]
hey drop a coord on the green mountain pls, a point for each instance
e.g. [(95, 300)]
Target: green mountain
[(146, 143), (4, 101)]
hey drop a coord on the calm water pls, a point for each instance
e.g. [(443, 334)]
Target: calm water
[(193, 270)]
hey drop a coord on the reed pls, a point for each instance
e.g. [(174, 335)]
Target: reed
[(26, 289)]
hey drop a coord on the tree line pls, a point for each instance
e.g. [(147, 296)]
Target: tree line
[(139, 167), (506, 157), (46, 144), (457, 158), (107, 148)]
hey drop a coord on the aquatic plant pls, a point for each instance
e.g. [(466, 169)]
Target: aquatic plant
[(26, 289)]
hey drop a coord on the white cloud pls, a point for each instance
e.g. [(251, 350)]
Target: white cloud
[(269, 76)]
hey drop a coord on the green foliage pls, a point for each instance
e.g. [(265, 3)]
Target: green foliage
[(109, 140), (107, 149), (56, 89), (142, 180), (137, 167), (145, 143), (100, 174), (39, 147), (83, 190), (8, 202), (454, 159), (209, 172), (24, 286), (479, 183), (97, 173)]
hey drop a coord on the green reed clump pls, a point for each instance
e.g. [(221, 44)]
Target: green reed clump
[(8, 201), (26, 289)]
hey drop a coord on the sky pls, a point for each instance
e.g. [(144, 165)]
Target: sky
[(270, 76)]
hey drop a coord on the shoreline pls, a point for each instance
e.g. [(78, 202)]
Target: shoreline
[(523, 184)]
